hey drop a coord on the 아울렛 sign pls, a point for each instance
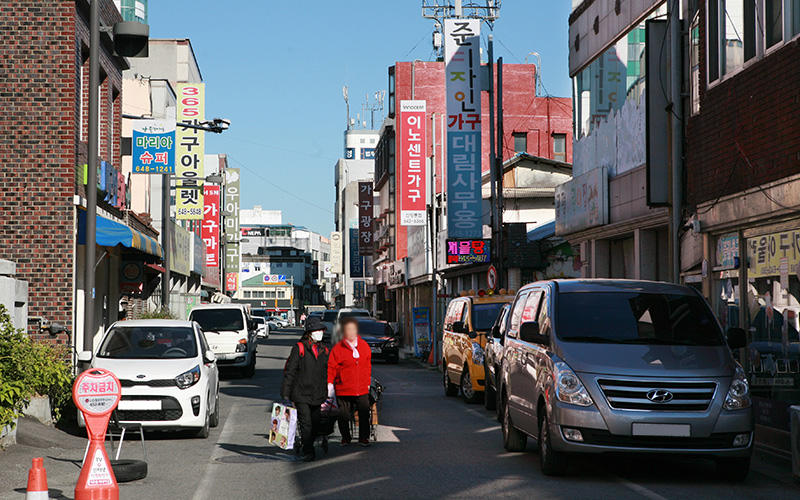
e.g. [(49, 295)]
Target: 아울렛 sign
[(190, 152), (468, 251), (153, 148), (411, 153)]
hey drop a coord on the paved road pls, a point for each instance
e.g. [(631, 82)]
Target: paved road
[(429, 446)]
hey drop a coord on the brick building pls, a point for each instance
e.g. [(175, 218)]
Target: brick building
[(43, 152), (743, 186)]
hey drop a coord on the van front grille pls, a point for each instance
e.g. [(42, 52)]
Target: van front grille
[(658, 395)]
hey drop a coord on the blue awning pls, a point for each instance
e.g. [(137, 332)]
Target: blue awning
[(111, 233)]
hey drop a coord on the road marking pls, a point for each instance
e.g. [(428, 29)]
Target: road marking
[(638, 488), (489, 429), (224, 437), (348, 486)]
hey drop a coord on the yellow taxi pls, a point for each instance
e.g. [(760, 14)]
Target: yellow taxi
[(468, 320)]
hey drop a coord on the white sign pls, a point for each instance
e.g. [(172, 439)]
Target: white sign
[(336, 252), (582, 203), (100, 473)]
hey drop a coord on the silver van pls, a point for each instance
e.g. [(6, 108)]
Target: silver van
[(600, 366)]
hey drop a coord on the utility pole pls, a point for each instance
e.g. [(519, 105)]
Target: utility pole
[(166, 231), (498, 178), (676, 140), (495, 219)]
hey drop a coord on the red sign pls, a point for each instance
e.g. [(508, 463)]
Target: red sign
[(411, 153), (210, 229), (366, 211), (231, 282)]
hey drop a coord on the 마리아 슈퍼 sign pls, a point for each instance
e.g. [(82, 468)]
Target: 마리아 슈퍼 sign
[(190, 151), (411, 153), (468, 251), (153, 149)]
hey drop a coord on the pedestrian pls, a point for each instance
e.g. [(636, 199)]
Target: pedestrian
[(303, 319), (349, 378), (304, 383)]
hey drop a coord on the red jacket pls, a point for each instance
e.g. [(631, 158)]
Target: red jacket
[(350, 376)]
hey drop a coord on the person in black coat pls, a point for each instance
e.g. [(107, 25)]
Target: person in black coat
[(305, 382)]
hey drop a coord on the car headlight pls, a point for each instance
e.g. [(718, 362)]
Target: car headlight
[(241, 346), (738, 397), (188, 379), (391, 343), (569, 388), (477, 353)]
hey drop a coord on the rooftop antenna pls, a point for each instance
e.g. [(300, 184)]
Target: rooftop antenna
[(538, 74), (347, 103)]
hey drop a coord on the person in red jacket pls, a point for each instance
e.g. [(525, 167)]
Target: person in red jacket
[(349, 377)]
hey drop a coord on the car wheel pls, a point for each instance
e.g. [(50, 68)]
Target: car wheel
[(215, 416), (733, 469), (450, 389), (204, 431), (552, 463), (467, 389), (489, 394), (129, 470), (250, 370), (513, 440)]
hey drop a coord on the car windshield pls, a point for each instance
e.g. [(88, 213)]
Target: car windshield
[(219, 320), (484, 315), (353, 314), (148, 342), (373, 329), (636, 318), (330, 316)]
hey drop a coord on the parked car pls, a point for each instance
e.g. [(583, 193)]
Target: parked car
[(346, 312), (282, 323), (231, 333), (262, 327), (596, 366), (493, 358), (467, 322), (381, 339), (329, 320), (167, 372)]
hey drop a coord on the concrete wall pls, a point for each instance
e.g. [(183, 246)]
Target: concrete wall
[(13, 294)]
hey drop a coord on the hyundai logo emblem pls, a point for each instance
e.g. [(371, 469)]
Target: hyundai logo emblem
[(141, 376), (660, 396)]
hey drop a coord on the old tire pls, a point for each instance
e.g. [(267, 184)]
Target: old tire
[(468, 391), (513, 439), (215, 416), (129, 470), (450, 389), (489, 395), (552, 463), (733, 469)]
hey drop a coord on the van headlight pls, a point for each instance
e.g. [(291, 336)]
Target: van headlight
[(477, 353), (569, 388), (241, 346), (738, 397), (188, 379)]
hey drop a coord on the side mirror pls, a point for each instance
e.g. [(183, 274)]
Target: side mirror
[(459, 327), (209, 357), (473, 335), (85, 356), (496, 332), (529, 332), (737, 338)]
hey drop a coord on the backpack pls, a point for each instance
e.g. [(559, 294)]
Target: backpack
[(302, 351)]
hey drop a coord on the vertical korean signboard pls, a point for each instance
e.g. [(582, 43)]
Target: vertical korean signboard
[(365, 214), (232, 194), (210, 229), (190, 152), (412, 160), (153, 149), (356, 261), (337, 257), (462, 78)]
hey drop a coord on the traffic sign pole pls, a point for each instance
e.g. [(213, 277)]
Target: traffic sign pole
[(96, 393)]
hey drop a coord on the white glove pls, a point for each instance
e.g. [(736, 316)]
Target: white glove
[(331, 391)]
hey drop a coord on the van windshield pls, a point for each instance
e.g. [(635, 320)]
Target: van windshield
[(150, 342), (636, 318), (219, 320)]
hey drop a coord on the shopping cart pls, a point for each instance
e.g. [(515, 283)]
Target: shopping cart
[(375, 403)]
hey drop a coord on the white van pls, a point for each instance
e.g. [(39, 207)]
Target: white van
[(231, 334)]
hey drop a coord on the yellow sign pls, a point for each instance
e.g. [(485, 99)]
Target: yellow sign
[(773, 254), (190, 151)]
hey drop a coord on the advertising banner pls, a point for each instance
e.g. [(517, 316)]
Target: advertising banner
[(365, 214), (411, 154), (776, 254), (248, 232), (336, 253), (180, 250), (210, 228), (198, 254), (153, 148), (231, 282), (463, 89), (422, 330), (232, 194), (468, 251), (190, 150), (356, 260), (582, 202)]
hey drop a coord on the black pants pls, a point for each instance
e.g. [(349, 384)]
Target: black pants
[(346, 406), (308, 422)]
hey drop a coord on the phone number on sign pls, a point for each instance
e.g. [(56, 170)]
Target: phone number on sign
[(153, 169)]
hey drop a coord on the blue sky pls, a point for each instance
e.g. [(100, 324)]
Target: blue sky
[(276, 70)]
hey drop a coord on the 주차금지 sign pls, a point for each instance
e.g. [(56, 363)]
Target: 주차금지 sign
[(411, 153), (190, 152), (153, 149), (468, 251)]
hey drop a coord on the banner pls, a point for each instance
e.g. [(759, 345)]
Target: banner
[(411, 153), (232, 194), (231, 282), (356, 260), (210, 229), (365, 214), (337, 252), (422, 330), (180, 250), (153, 147), (776, 254), (190, 150), (463, 89)]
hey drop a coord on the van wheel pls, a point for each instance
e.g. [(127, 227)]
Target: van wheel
[(467, 389), (215, 416), (733, 469), (513, 439), (450, 389), (552, 463), (489, 395)]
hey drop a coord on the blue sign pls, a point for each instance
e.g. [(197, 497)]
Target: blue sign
[(422, 330), (350, 153), (367, 153), (153, 147), (464, 214)]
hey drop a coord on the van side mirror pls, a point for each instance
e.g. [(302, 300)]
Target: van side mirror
[(85, 356), (459, 327), (737, 338), (529, 332), (209, 356)]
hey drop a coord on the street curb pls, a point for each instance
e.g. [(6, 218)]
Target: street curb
[(422, 364)]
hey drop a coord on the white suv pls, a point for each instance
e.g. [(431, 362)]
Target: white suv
[(231, 333)]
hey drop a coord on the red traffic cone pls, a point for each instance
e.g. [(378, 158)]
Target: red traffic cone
[(37, 481)]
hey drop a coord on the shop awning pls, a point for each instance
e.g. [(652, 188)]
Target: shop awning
[(111, 233)]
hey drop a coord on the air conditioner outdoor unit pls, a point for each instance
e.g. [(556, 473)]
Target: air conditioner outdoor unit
[(794, 413)]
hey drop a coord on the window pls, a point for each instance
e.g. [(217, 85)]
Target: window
[(694, 64), (544, 316), (247, 294), (773, 22), (363, 141), (258, 295), (793, 14), (531, 305), (520, 142), (516, 315), (560, 147), (281, 294), (270, 294)]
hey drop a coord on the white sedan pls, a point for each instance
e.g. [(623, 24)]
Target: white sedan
[(167, 371), (262, 327)]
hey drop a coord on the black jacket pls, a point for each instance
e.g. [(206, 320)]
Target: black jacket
[(305, 378)]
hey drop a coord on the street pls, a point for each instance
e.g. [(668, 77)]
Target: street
[(429, 446)]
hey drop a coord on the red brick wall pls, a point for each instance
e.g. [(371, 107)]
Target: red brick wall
[(748, 130)]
